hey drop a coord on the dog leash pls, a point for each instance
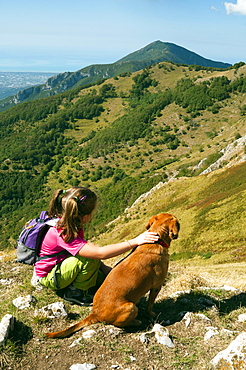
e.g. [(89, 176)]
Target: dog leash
[(159, 241)]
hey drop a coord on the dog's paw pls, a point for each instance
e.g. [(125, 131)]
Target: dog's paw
[(135, 322)]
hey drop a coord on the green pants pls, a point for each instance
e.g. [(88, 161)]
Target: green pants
[(83, 273)]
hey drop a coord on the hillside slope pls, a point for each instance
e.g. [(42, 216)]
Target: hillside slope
[(153, 53), (211, 210), (123, 137)]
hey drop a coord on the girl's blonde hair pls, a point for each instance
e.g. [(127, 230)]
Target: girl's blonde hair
[(70, 206)]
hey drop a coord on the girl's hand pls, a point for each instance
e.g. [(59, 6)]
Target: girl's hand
[(146, 237)]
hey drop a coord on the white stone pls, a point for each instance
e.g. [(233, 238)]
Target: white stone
[(211, 332), (161, 334), (83, 366), (230, 288), (76, 342), (235, 352), (189, 316), (89, 334), (6, 281), (179, 292), (52, 311), (187, 319), (144, 338), (24, 302), (6, 324), (242, 317), (115, 331)]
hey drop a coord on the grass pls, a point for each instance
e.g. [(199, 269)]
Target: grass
[(211, 212)]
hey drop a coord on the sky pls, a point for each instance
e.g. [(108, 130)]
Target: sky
[(67, 35)]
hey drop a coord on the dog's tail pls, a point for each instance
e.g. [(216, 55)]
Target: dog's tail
[(91, 319)]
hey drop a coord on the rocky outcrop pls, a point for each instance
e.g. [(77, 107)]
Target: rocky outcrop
[(234, 153)]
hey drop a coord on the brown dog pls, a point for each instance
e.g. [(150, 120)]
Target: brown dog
[(145, 269)]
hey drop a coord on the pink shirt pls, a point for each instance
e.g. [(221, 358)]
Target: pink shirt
[(54, 243)]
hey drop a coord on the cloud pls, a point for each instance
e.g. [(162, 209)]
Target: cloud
[(239, 7)]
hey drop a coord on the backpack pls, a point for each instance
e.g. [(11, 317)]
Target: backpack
[(31, 238)]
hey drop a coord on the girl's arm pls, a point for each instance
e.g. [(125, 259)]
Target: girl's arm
[(91, 250)]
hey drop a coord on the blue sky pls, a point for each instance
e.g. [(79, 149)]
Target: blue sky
[(67, 35)]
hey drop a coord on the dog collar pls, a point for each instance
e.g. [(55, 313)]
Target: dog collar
[(162, 243)]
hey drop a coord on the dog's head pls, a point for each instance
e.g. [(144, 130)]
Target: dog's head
[(165, 225)]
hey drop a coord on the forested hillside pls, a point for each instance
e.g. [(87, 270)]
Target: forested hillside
[(121, 137)]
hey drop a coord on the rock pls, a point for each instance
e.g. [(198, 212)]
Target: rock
[(89, 334), (189, 316), (83, 366), (161, 334), (242, 317), (229, 288), (234, 356), (6, 281), (179, 292), (52, 311), (211, 332), (234, 149), (7, 324), (115, 331), (145, 195), (144, 338), (24, 302), (76, 342)]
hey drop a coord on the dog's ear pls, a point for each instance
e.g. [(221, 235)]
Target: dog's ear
[(174, 228), (150, 222)]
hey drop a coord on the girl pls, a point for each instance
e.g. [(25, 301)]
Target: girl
[(74, 263)]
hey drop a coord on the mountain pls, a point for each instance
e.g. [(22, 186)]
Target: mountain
[(159, 51), (153, 53), (166, 124), (12, 82)]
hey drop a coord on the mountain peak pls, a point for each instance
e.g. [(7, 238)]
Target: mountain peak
[(160, 51)]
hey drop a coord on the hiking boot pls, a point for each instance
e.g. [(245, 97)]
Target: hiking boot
[(73, 295)]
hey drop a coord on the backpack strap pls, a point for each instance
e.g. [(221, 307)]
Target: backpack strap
[(49, 256), (42, 233), (43, 215)]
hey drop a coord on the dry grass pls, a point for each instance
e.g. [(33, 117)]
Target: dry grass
[(232, 274)]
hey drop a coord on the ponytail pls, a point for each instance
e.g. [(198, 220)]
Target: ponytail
[(55, 208), (71, 206)]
